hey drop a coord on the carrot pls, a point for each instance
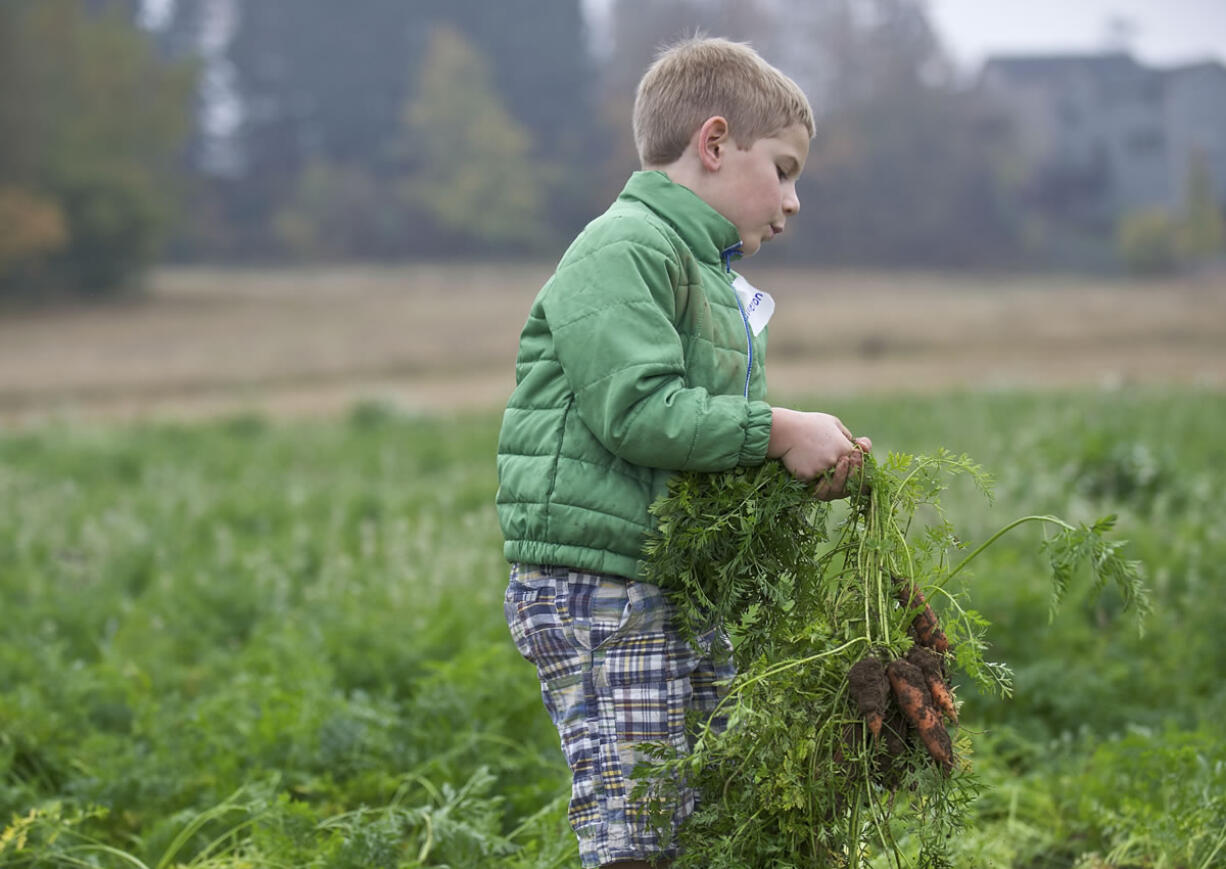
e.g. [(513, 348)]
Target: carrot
[(890, 765), (915, 700), (869, 687), (933, 667), (943, 698), (925, 629)]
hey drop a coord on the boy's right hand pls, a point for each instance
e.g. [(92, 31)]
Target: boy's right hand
[(811, 444)]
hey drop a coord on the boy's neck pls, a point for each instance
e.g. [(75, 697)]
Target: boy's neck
[(687, 173)]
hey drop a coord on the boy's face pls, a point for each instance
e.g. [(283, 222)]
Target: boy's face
[(756, 188)]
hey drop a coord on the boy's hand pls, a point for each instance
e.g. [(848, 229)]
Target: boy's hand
[(812, 444)]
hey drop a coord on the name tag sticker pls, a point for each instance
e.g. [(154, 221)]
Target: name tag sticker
[(757, 304)]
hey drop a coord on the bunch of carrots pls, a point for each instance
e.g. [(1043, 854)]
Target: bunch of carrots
[(844, 671), (917, 682)]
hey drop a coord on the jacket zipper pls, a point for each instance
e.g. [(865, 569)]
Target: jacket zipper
[(726, 255), (748, 338)]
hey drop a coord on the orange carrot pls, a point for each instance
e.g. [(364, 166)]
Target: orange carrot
[(943, 698), (925, 628), (932, 666), (915, 700)]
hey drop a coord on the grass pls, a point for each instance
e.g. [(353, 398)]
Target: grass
[(250, 642)]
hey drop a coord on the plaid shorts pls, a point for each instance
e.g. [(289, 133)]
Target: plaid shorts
[(614, 674)]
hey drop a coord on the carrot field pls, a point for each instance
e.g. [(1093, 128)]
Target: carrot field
[(251, 596)]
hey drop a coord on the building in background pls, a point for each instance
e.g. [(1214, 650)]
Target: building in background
[(1101, 136)]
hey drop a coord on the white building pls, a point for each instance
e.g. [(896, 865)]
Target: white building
[(1103, 135)]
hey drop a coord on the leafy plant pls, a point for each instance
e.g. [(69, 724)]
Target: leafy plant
[(193, 609), (807, 590)]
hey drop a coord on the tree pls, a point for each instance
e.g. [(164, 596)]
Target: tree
[(1201, 233), (31, 228), (472, 172), (537, 51), (341, 212), (1146, 242), (316, 85), (90, 122), (321, 87), (906, 169)]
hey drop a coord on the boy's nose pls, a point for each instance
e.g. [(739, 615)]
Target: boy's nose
[(791, 203)]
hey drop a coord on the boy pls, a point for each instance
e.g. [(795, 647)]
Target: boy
[(642, 357)]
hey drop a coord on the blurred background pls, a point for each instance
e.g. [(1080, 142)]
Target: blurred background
[(263, 268), (205, 202)]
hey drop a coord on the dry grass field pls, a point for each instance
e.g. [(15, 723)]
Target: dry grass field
[(437, 338)]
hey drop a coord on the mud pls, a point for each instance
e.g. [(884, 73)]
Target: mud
[(870, 689), (910, 686), (932, 665), (925, 629)]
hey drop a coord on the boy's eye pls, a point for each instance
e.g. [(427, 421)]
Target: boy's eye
[(782, 174)]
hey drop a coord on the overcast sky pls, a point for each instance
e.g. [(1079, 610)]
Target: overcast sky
[(1163, 31)]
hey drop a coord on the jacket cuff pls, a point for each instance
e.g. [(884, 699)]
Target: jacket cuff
[(757, 434)]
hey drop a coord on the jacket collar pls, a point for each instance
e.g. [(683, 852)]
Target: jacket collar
[(711, 236)]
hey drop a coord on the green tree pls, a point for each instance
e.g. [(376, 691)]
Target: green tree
[(341, 212), (1200, 234), (472, 171), (323, 84), (1146, 242), (549, 91), (91, 120)]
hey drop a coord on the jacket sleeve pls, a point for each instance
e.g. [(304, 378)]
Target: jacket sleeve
[(612, 312)]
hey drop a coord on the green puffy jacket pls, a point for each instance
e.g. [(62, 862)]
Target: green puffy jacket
[(635, 363)]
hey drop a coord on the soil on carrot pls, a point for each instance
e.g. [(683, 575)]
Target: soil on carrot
[(911, 689), (870, 689)]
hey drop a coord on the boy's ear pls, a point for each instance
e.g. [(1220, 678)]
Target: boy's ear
[(713, 140)]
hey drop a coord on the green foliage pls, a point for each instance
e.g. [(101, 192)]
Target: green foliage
[(1143, 798), (92, 121), (115, 216), (1145, 241), (210, 608), (472, 168), (804, 601), (1201, 234), (1121, 470), (340, 212), (1154, 242), (331, 83), (249, 643), (1165, 791)]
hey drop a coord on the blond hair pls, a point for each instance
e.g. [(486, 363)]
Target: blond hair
[(699, 78)]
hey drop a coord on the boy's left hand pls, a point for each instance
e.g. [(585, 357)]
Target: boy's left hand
[(833, 484)]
